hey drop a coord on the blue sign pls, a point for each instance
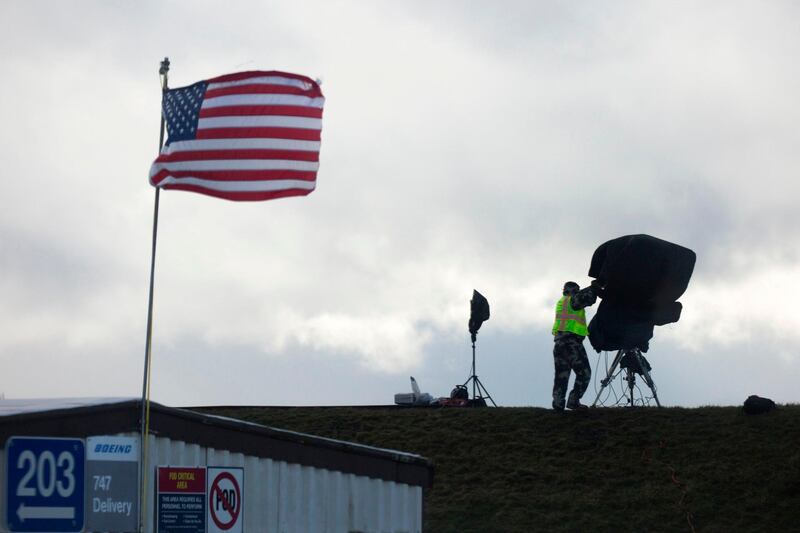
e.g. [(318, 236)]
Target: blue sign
[(45, 484)]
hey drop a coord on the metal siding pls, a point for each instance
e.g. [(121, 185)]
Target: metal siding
[(285, 497), (273, 497), (334, 512), (387, 493), (374, 499), (362, 499), (3, 482), (291, 503), (288, 496), (401, 504), (313, 483)]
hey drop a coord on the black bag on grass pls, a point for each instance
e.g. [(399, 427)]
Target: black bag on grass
[(756, 405)]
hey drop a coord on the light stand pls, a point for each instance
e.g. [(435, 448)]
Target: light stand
[(479, 311), (632, 362), (479, 392)]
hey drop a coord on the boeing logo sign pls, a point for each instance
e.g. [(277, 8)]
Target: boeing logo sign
[(112, 449)]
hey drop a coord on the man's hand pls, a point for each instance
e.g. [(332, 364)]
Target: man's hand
[(598, 287)]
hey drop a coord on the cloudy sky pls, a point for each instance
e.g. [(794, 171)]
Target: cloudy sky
[(466, 145)]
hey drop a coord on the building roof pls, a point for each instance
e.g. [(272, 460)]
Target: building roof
[(83, 417), (34, 405)]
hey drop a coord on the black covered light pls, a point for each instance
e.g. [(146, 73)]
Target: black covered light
[(479, 312)]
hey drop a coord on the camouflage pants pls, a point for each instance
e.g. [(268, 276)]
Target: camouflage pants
[(570, 356)]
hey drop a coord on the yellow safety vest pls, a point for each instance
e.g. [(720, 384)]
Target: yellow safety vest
[(568, 319)]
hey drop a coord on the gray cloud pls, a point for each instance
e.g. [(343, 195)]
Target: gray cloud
[(464, 146)]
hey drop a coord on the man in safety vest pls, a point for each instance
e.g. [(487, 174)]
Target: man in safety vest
[(569, 354)]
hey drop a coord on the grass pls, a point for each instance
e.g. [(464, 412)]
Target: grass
[(710, 469)]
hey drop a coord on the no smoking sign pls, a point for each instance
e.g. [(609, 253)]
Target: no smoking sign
[(225, 499)]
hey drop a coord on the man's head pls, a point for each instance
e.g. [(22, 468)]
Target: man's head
[(571, 288)]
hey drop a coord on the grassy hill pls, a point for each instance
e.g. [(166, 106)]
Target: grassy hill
[(530, 469)]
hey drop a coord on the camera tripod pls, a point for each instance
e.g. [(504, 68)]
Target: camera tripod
[(479, 392), (631, 362)]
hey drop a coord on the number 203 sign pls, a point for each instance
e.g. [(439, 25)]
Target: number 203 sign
[(45, 484)]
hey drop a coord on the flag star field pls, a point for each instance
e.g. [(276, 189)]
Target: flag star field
[(182, 109)]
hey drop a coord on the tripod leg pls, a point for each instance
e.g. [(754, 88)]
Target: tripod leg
[(647, 378), (473, 370), (483, 391), (630, 377), (478, 390), (472, 375), (604, 382)]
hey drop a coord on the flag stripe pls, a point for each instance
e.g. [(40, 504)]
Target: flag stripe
[(270, 121), (237, 175), (239, 164), (246, 75), (239, 186), (199, 155), (280, 133), (241, 196), (263, 99), (241, 144), (250, 110), (267, 80), (254, 89)]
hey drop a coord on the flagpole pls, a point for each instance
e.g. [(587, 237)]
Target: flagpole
[(145, 416)]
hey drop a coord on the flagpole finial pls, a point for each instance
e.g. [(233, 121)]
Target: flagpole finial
[(164, 71)]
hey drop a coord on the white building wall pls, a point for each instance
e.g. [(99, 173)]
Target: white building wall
[(3, 483), (291, 498)]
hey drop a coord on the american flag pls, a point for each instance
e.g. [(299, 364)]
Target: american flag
[(245, 136)]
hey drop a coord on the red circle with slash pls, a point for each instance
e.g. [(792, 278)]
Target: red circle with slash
[(232, 510)]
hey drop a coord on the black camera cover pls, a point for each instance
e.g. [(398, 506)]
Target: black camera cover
[(643, 277)]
